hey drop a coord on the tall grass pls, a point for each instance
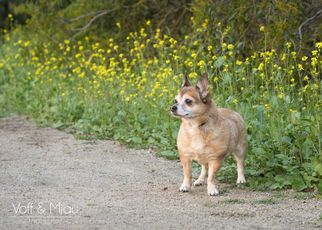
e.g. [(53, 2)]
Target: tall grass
[(108, 90)]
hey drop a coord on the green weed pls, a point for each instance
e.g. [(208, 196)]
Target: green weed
[(234, 201), (269, 201)]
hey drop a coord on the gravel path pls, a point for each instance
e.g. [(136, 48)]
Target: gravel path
[(49, 180)]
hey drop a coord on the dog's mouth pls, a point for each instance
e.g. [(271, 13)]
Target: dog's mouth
[(179, 112), (180, 115)]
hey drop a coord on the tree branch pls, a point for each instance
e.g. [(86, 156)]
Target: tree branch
[(316, 15), (97, 14), (84, 28), (82, 16)]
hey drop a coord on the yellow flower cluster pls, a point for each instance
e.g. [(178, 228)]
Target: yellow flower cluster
[(150, 65)]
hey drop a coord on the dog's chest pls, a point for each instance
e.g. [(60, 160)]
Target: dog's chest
[(198, 149), (197, 144), (194, 144)]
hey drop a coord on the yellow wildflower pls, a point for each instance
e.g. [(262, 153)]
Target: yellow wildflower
[(230, 46), (300, 67), (318, 45), (288, 45), (201, 63), (238, 62), (261, 66), (293, 54), (118, 24)]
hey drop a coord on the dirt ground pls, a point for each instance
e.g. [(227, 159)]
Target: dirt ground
[(50, 180)]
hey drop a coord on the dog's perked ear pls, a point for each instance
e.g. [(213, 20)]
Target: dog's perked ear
[(203, 87), (185, 82)]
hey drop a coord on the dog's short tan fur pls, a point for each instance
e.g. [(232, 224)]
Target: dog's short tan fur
[(207, 135)]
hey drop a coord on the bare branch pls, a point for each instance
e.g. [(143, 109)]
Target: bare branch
[(82, 16), (316, 15), (96, 15), (94, 18), (84, 28)]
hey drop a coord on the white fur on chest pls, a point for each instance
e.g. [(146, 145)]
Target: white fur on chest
[(196, 147), (194, 139), (197, 144)]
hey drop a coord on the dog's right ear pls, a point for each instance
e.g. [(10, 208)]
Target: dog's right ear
[(185, 82)]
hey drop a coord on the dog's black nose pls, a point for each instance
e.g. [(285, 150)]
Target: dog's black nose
[(173, 108)]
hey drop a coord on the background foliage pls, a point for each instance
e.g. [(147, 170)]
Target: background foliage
[(110, 69), (240, 19)]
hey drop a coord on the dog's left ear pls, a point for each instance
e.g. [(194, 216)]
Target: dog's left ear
[(203, 87)]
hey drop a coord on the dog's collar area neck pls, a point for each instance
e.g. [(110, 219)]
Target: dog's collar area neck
[(203, 123)]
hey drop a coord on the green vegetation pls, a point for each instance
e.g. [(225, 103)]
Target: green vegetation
[(268, 201), (119, 84), (234, 201), (265, 201), (304, 195)]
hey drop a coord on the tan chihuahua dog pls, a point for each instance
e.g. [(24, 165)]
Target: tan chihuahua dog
[(207, 135)]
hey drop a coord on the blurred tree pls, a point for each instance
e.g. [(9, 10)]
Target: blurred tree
[(4, 11), (233, 21), (241, 22)]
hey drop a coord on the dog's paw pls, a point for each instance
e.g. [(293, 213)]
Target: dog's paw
[(184, 188), (199, 182), (241, 180), (212, 190)]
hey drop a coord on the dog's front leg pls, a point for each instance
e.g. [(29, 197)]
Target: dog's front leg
[(203, 175), (186, 165), (212, 170)]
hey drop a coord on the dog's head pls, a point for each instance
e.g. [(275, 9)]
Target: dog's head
[(192, 101)]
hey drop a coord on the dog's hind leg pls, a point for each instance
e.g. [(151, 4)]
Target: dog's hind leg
[(240, 155), (203, 175)]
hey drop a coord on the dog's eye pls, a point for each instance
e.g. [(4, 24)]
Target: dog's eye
[(175, 101), (188, 101)]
